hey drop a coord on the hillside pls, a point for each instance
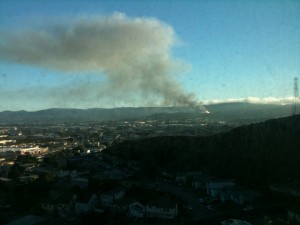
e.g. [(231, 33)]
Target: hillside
[(259, 153), (241, 112), (60, 114), (248, 111)]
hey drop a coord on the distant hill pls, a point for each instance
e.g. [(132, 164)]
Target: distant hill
[(228, 111), (57, 114), (238, 112), (248, 110), (260, 153)]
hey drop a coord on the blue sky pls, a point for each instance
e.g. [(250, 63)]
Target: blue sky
[(232, 50)]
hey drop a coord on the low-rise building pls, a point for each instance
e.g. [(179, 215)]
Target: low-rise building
[(86, 203), (235, 222), (137, 210), (244, 196), (163, 208), (108, 198), (294, 215), (214, 188), (49, 207), (36, 150), (65, 205)]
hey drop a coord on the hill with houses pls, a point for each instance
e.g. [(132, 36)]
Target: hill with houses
[(259, 153)]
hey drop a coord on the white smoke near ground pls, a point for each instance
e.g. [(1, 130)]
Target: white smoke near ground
[(134, 54)]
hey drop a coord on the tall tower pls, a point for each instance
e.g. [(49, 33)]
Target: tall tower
[(295, 106)]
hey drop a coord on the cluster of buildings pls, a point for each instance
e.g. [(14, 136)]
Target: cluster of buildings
[(227, 191), (39, 138), (22, 150), (115, 200), (84, 143)]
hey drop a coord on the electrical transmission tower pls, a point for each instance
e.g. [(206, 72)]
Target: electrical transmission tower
[(295, 105)]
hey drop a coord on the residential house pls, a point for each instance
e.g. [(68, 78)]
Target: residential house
[(180, 178), (86, 203), (235, 222), (200, 181), (28, 179), (59, 202), (49, 207), (137, 210), (239, 195), (5, 180), (108, 198), (65, 205), (164, 208), (79, 181), (244, 196), (225, 194), (214, 188), (294, 215), (113, 173), (292, 188), (63, 173), (121, 205)]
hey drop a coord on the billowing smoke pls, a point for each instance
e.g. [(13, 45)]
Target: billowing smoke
[(134, 55)]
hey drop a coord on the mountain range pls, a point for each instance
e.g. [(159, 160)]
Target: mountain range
[(225, 111)]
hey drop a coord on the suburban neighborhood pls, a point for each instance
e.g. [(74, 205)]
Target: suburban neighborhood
[(64, 174)]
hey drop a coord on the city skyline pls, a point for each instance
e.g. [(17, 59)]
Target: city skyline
[(154, 53)]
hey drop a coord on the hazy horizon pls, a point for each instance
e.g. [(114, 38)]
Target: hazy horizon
[(231, 101)]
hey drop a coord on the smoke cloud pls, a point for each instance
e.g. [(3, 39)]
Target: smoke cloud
[(133, 54)]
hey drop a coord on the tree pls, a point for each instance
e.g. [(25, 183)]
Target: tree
[(16, 171), (51, 160), (24, 159), (47, 177)]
